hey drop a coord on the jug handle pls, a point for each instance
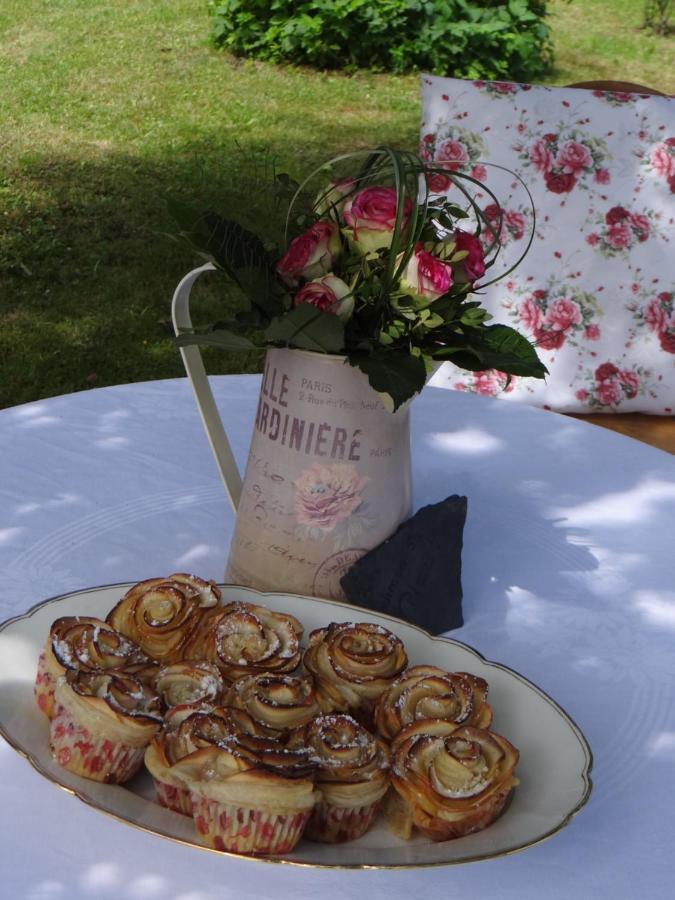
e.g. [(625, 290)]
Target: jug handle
[(206, 404)]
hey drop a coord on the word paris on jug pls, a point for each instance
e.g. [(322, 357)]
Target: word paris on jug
[(302, 435)]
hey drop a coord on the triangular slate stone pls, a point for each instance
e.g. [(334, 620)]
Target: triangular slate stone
[(416, 573)]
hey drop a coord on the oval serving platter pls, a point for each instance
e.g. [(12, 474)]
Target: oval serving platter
[(554, 768)]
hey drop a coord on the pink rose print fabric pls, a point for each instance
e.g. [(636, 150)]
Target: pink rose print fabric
[(596, 291)]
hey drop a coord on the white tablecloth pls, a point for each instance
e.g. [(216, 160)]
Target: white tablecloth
[(568, 578)]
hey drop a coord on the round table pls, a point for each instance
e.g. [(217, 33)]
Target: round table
[(568, 578)]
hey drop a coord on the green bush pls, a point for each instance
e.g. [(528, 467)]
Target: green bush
[(464, 38)]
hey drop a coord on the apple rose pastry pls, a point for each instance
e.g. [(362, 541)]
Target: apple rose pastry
[(190, 682), (244, 639), (353, 665), (351, 776), (79, 643), (277, 703), (102, 724), (160, 614), (185, 731), (449, 780), (248, 797), (427, 692)]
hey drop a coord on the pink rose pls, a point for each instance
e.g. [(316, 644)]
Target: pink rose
[(562, 314), (663, 162), (592, 333), (631, 382), (609, 392), (479, 172), (573, 158), (582, 395), (370, 217), (655, 316), (438, 183), (606, 371), (452, 154), (602, 176), (329, 294), (311, 254), (667, 339), (549, 340), (619, 236), (327, 494), (530, 314), (640, 224), (426, 276), (472, 266), (616, 214), (486, 383), (540, 156), (592, 239), (559, 182), (516, 224)]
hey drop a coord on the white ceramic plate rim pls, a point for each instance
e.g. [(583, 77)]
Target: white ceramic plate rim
[(259, 597)]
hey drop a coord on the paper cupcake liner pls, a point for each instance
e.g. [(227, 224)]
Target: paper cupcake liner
[(93, 756), (176, 798), (473, 820), (45, 684), (225, 827), (337, 824)]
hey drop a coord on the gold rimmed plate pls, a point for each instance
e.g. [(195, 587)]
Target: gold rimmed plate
[(554, 768)]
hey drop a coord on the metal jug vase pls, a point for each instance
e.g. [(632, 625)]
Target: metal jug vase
[(328, 475)]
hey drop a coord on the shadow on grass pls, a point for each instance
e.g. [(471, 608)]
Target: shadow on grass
[(87, 271)]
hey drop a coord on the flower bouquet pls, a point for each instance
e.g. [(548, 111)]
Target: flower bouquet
[(374, 266)]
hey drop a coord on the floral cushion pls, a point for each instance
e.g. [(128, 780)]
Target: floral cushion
[(596, 291)]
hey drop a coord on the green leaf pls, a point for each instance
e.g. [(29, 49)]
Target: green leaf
[(231, 246), (495, 347), (226, 340), (392, 372), (309, 328)]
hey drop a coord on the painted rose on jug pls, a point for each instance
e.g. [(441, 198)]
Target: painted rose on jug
[(327, 494)]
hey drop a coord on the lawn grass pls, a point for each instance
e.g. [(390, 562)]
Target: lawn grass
[(108, 107)]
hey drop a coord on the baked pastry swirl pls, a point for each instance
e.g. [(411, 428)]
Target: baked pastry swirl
[(189, 682), (80, 643), (245, 639), (352, 665), (449, 780), (427, 692), (102, 724), (277, 703), (160, 614), (249, 796), (352, 776), (185, 731)]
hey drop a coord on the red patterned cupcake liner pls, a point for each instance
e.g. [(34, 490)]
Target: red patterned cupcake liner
[(335, 824), (45, 684), (75, 748), (225, 827), (176, 798)]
